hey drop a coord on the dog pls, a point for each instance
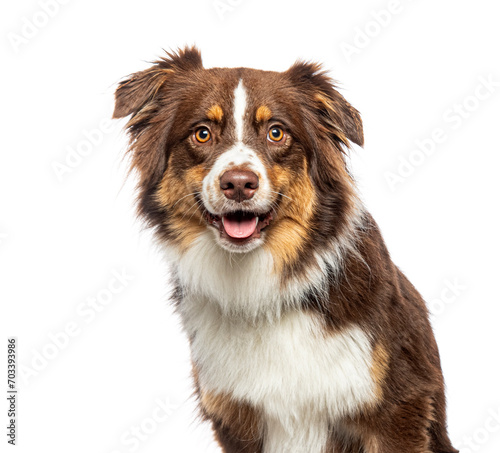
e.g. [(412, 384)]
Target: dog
[(305, 337)]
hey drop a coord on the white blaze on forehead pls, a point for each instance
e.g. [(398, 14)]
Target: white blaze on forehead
[(237, 155), (240, 104)]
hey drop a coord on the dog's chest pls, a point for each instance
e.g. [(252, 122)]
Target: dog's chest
[(300, 376)]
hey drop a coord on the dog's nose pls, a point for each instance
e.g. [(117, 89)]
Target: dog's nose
[(239, 185)]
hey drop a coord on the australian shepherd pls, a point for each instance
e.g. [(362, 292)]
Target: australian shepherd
[(305, 337)]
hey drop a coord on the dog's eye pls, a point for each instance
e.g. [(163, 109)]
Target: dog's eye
[(202, 135), (275, 134)]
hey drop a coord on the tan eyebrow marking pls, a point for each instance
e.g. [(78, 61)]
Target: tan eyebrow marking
[(263, 114), (215, 113)]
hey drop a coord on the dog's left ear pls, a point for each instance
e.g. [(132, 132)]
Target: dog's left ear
[(336, 115)]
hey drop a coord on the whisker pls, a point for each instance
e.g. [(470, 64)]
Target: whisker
[(194, 212), (185, 196), (275, 207), (195, 205), (282, 194)]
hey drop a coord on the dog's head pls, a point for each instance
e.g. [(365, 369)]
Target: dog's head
[(257, 157)]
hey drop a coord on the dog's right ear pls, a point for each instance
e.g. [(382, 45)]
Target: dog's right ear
[(152, 97), (141, 88), (138, 90)]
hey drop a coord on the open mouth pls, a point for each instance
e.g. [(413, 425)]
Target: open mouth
[(239, 226)]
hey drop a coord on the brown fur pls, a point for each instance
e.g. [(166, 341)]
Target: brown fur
[(314, 204), (243, 436)]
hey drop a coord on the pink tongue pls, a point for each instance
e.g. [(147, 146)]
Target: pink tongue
[(240, 227)]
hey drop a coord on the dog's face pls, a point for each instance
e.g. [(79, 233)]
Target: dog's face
[(254, 156)]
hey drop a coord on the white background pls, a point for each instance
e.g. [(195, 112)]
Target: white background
[(62, 238)]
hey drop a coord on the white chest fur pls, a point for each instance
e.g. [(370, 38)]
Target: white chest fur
[(302, 378), (250, 340), (241, 284)]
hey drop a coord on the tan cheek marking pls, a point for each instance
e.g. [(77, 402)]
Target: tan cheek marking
[(173, 188), (292, 225), (263, 114), (380, 365), (215, 113), (170, 190), (194, 177), (186, 219)]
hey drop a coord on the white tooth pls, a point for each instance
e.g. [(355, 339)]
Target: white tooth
[(256, 221), (223, 221)]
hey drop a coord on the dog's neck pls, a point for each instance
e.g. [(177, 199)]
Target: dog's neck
[(246, 285)]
